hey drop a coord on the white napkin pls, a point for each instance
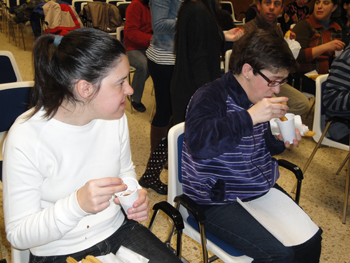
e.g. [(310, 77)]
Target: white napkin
[(298, 124), (294, 46), (124, 255)]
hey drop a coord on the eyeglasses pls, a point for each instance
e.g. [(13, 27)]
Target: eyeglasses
[(272, 83)]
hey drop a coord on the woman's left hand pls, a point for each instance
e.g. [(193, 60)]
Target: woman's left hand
[(234, 34), (139, 211), (295, 141)]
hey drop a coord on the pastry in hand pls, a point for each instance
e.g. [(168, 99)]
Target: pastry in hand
[(71, 260)]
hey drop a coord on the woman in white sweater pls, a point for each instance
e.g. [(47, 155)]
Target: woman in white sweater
[(66, 156)]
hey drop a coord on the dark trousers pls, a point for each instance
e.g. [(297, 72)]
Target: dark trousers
[(131, 235), (161, 76)]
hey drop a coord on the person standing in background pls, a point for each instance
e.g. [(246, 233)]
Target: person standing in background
[(137, 36), (161, 61), (199, 42)]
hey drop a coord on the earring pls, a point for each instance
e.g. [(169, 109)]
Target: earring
[(246, 77)]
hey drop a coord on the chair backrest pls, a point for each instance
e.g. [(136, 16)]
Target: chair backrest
[(223, 250), (227, 59), (120, 33), (228, 6), (122, 6), (14, 100), (77, 4), (19, 256), (9, 71), (320, 118), (114, 2)]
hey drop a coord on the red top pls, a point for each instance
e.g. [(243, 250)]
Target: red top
[(138, 27)]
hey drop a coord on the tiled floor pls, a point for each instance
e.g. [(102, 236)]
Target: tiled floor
[(322, 190)]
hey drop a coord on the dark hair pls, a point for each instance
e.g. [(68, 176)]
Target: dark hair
[(335, 14), (83, 54), (262, 49), (145, 2), (344, 13)]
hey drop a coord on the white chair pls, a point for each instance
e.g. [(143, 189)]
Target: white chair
[(227, 5), (14, 100), (227, 59), (9, 71), (77, 4), (195, 228), (320, 127), (19, 256)]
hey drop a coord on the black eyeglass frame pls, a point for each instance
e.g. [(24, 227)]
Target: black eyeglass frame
[(272, 83)]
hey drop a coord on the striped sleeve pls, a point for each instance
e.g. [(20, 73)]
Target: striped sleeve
[(336, 96)]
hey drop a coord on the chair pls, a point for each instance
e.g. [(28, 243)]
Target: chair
[(195, 228), (227, 5), (227, 60), (77, 4), (9, 70), (122, 6), (14, 100), (320, 127), (114, 2)]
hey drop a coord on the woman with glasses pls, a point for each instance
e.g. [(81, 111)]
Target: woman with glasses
[(228, 148)]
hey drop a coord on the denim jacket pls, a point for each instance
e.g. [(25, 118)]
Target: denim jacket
[(164, 13)]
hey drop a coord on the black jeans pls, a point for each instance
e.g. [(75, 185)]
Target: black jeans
[(161, 76), (131, 235)]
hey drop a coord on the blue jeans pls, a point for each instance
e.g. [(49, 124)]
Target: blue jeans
[(138, 60), (131, 235), (233, 224)]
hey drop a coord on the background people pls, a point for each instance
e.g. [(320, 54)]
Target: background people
[(161, 61), (137, 36), (336, 96), (228, 147), (319, 37), (199, 42), (66, 157), (293, 13), (267, 19), (251, 12)]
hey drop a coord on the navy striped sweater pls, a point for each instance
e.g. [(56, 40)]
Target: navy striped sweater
[(224, 155)]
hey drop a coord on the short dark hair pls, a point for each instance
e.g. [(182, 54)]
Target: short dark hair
[(83, 54), (262, 49)]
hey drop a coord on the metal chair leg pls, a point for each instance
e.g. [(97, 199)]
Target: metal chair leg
[(343, 163), (313, 153), (346, 194)]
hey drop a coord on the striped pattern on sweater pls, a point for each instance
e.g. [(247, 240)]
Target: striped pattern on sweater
[(247, 171)]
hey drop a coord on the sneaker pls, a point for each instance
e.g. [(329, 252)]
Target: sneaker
[(138, 106)]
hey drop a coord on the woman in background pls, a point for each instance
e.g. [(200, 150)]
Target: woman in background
[(319, 36), (137, 36)]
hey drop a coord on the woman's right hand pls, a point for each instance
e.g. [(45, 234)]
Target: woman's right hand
[(335, 45), (94, 196), (268, 108)]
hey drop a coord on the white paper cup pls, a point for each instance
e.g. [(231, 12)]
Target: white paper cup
[(128, 197), (337, 53), (287, 128)]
